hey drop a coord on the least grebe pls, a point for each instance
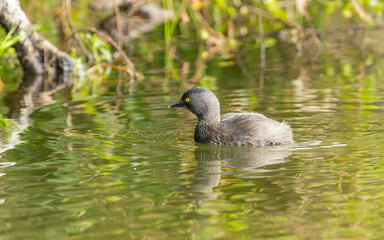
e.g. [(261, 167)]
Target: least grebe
[(231, 128)]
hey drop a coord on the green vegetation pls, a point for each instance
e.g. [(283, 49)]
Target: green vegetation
[(9, 40), (223, 29)]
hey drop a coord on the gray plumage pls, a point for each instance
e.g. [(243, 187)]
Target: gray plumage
[(232, 128)]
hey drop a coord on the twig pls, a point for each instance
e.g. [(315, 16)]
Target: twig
[(67, 8), (118, 25), (129, 65), (360, 11), (105, 65), (288, 24), (262, 53), (129, 68), (204, 23), (126, 59), (268, 15)]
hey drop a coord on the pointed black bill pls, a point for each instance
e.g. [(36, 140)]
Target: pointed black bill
[(177, 104)]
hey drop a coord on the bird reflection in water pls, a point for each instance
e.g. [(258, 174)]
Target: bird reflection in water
[(237, 160)]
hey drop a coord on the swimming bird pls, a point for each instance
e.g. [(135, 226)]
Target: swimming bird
[(236, 129)]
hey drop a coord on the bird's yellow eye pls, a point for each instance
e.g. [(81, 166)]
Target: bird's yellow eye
[(187, 99)]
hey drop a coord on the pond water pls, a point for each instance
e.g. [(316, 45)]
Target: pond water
[(124, 166)]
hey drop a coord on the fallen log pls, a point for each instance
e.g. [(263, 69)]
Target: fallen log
[(36, 54)]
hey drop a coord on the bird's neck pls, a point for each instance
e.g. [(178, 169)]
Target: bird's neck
[(211, 115), (209, 119)]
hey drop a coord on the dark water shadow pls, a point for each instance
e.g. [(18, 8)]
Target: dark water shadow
[(34, 92), (235, 160)]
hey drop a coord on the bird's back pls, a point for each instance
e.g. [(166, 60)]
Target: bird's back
[(254, 129)]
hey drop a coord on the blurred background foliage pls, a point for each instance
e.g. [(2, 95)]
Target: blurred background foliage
[(239, 31)]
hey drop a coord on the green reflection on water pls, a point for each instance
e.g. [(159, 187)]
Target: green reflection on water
[(125, 166), (132, 170)]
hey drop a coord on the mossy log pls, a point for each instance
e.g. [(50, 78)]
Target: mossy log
[(36, 54)]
